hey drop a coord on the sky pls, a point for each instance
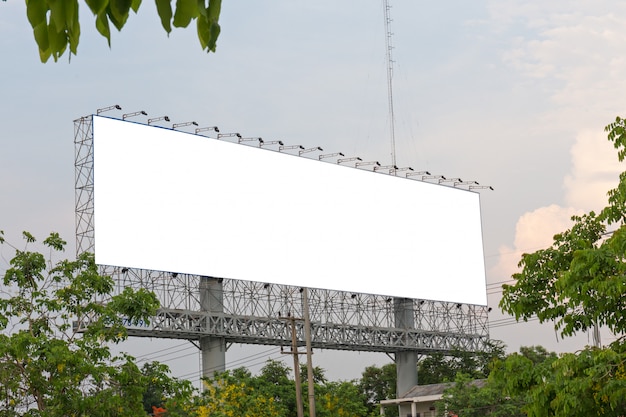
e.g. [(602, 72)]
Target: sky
[(514, 95)]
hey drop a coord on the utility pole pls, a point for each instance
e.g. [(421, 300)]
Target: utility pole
[(296, 365), (309, 351)]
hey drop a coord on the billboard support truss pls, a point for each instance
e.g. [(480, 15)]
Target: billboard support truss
[(254, 312)]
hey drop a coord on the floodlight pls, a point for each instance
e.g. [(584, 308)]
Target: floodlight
[(133, 114), (395, 170), (260, 140), (389, 167), (310, 150), (356, 158), (481, 187), (124, 270), (410, 174), (433, 177), (157, 119), (175, 125), (289, 147), (456, 183), (329, 155), (102, 110), (358, 164), (272, 142), (453, 180), (204, 129), (229, 135)]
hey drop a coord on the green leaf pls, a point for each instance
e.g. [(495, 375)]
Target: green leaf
[(164, 8), (97, 6), (102, 24), (36, 12), (71, 15), (57, 13), (135, 5), (29, 238), (214, 9), (74, 37), (208, 28), (41, 37), (54, 241), (118, 12), (57, 39), (186, 10)]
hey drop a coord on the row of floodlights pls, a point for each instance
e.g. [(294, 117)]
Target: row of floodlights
[(358, 162)]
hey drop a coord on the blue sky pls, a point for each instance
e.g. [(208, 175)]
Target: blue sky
[(510, 94)]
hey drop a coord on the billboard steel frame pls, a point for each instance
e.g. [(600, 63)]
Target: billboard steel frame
[(254, 312)]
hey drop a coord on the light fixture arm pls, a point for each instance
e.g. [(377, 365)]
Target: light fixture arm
[(158, 119), (272, 142), (113, 107), (229, 135), (342, 160), (133, 114), (329, 155), (317, 148), (259, 140), (289, 147), (410, 174), (176, 125), (206, 129)]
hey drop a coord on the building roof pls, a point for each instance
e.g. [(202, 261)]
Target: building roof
[(425, 393), (436, 389)]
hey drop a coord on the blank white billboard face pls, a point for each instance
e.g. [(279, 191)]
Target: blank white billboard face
[(178, 202)]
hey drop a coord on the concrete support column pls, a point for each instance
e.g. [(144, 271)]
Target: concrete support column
[(213, 349), (406, 361)]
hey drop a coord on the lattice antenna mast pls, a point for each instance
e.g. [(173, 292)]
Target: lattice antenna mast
[(389, 56)]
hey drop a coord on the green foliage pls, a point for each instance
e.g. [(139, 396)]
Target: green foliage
[(466, 398), (56, 26), (47, 366), (272, 394), (437, 367), (505, 391), (338, 399), (578, 283), (378, 384), (161, 390), (225, 395), (319, 375)]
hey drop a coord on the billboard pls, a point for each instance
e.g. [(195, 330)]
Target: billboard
[(172, 201)]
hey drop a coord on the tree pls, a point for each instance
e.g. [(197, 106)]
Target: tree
[(227, 395), (339, 399), (50, 367), (493, 396), (274, 381), (56, 26), (272, 394), (437, 367), (163, 393), (378, 384), (578, 283)]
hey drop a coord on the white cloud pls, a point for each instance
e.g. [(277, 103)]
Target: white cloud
[(595, 170), (572, 53), (534, 230)]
